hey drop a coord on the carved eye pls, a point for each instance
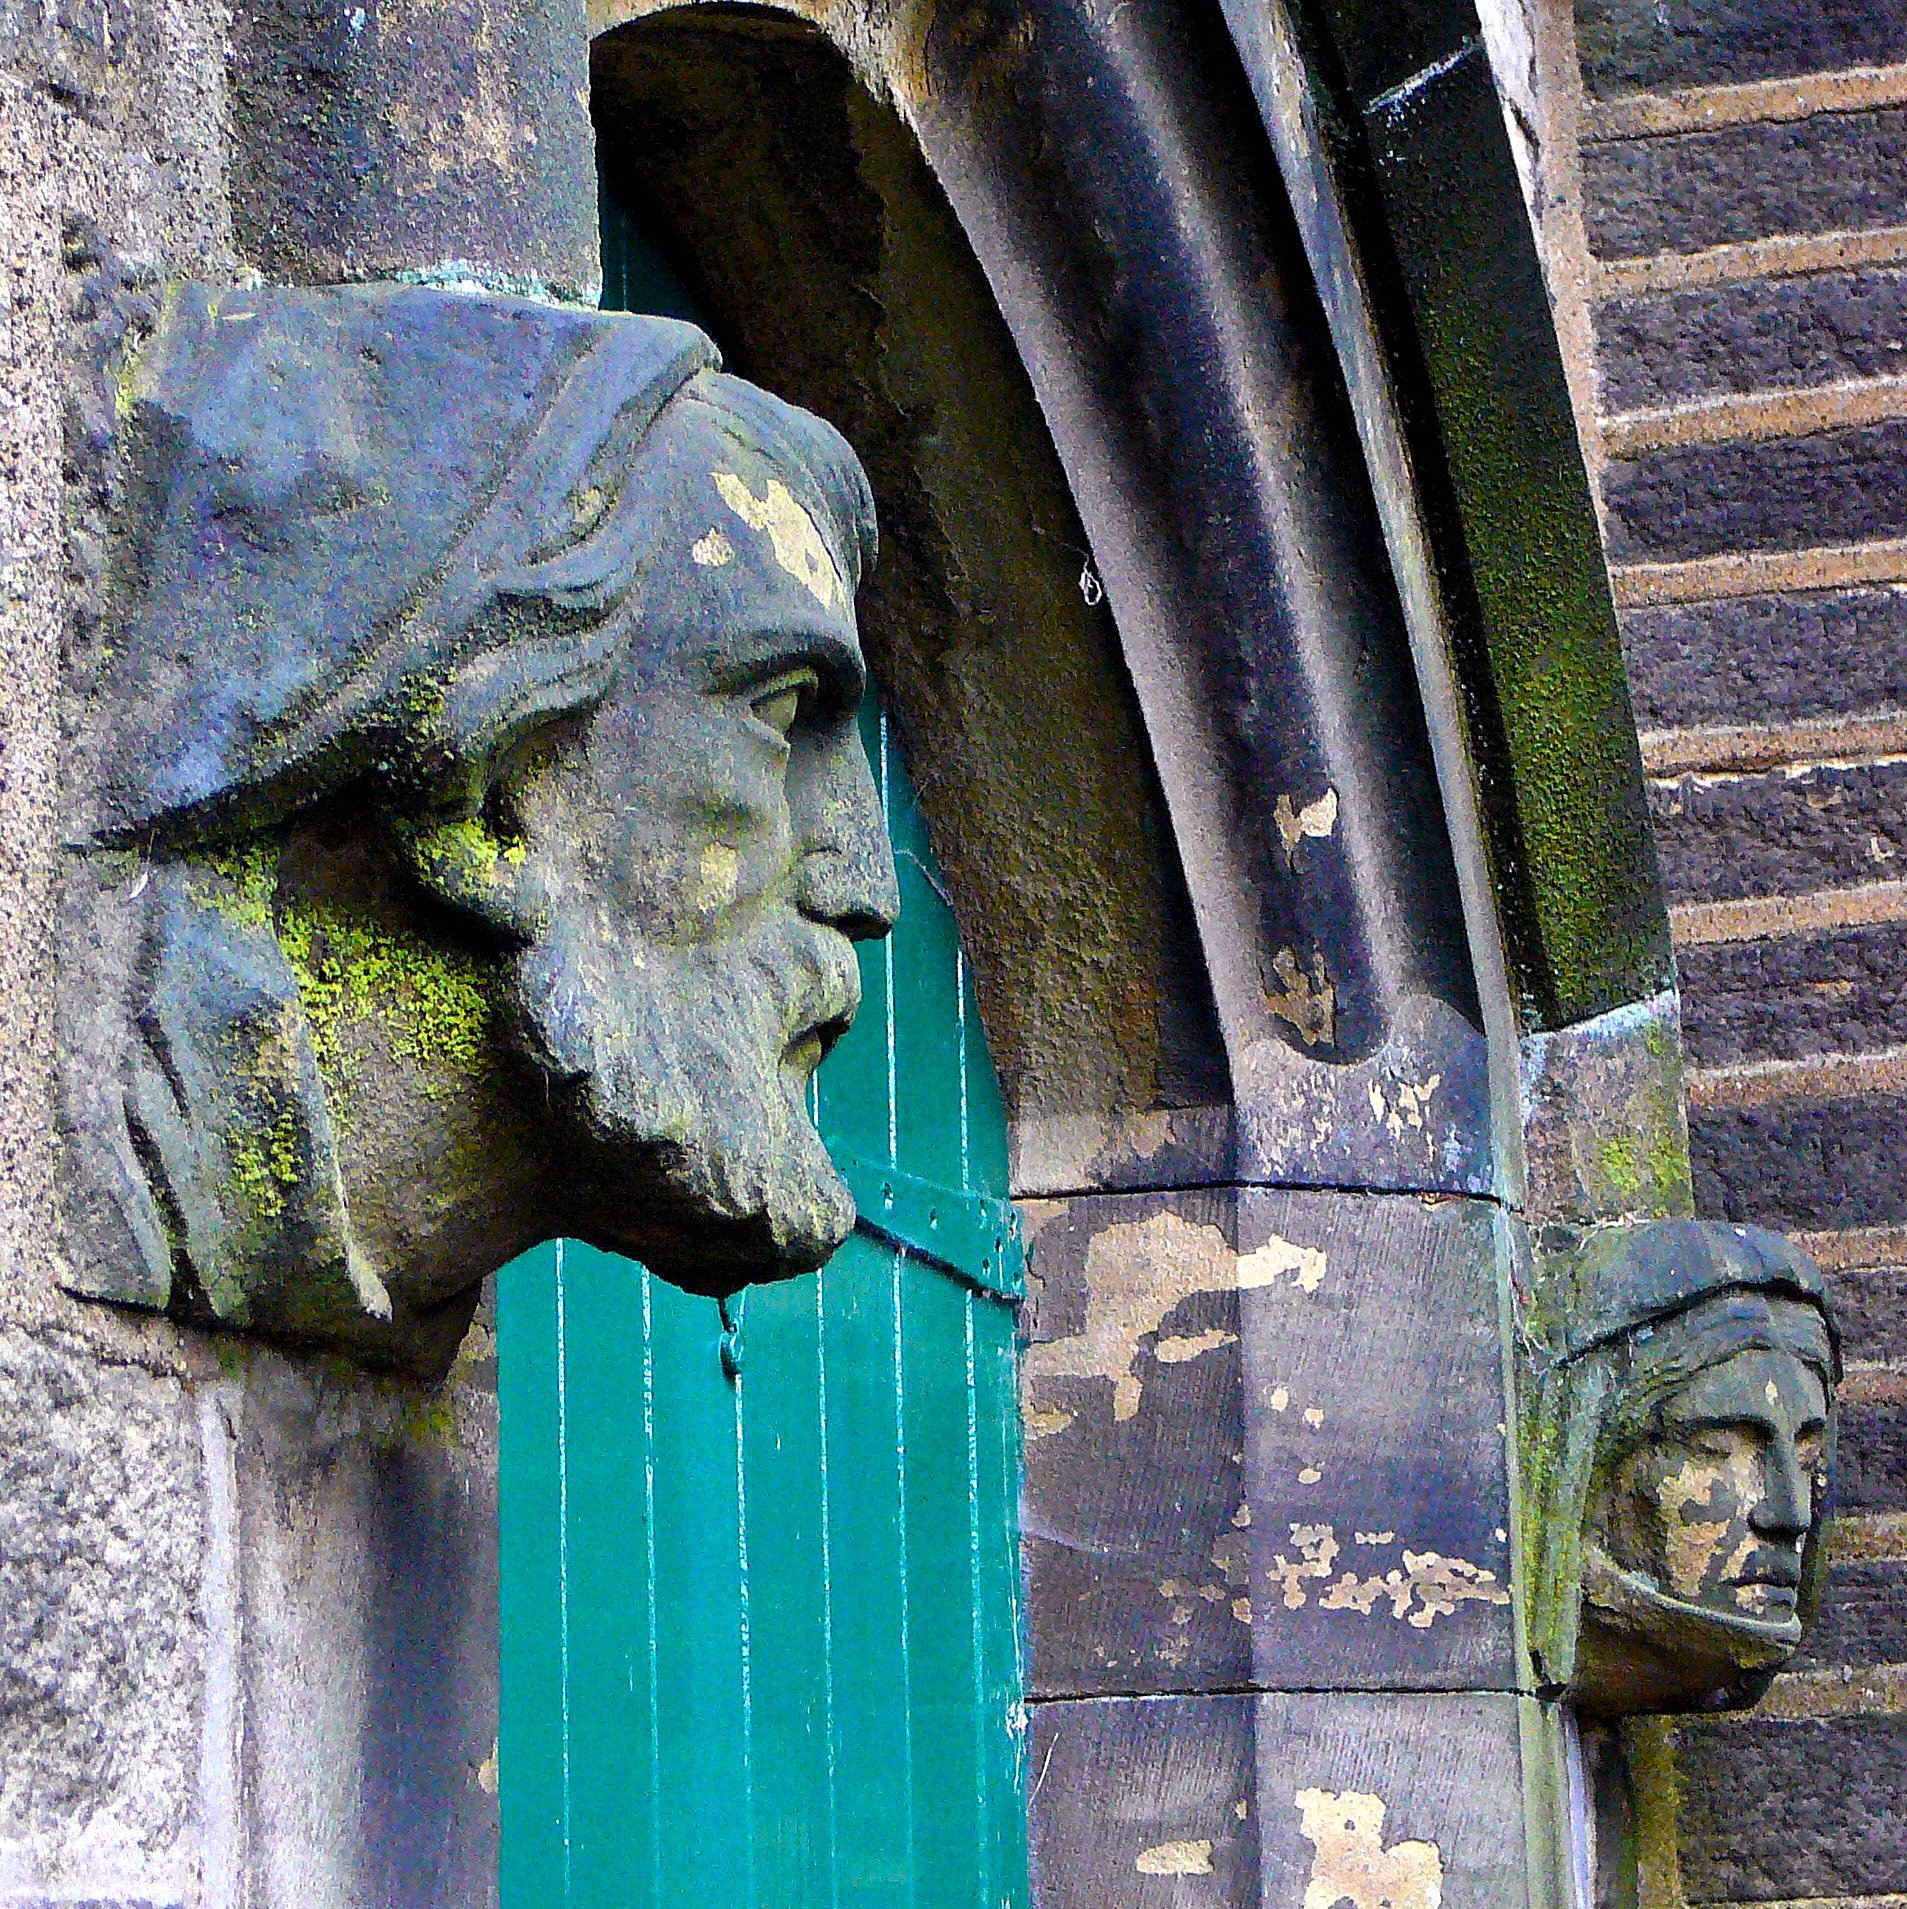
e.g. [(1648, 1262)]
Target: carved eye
[(782, 703)]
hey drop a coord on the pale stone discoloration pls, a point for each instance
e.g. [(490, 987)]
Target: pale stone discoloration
[(1137, 1272), (1315, 820), (1280, 1259), (1352, 1863), (799, 546), (1306, 1002), (1190, 1856), (1427, 1586)]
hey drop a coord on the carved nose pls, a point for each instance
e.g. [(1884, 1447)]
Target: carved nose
[(847, 875), (1786, 1509)]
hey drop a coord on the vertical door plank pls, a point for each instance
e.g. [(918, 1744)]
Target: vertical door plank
[(783, 1399), (608, 1636), (868, 1617), (940, 1539), (1001, 1719), (531, 1742), (702, 1691)]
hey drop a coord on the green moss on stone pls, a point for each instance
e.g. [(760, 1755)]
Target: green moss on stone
[(265, 1164), (431, 1001), (250, 872)]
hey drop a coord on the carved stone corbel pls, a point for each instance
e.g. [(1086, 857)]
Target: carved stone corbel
[(467, 819), (1678, 1439)]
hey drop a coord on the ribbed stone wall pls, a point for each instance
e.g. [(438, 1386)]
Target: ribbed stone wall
[(1724, 211)]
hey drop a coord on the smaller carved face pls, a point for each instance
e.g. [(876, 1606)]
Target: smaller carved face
[(1716, 1507)]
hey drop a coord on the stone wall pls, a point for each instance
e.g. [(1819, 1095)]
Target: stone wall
[(1723, 201), (225, 1576)]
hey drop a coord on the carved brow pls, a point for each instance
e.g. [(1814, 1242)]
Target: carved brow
[(835, 659)]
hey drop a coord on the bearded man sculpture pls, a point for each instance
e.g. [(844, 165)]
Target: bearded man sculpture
[(1680, 1449), (468, 823)]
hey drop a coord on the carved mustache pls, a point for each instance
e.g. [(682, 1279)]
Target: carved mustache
[(829, 993)]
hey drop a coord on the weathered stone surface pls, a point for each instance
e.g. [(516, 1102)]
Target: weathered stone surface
[(1871, 1304), (1766, 334), (1604, 1133), (372, 141), (1229, 1802), (1862, 1617), (1720, 837), (1870, 1468), (1833, 487), (366, 1588), (1811, 1164), (101, 1531), (1649, 46), (1792, 996), (1792, 1810), (1359, 1795), (1682, 192), (1135, 1463), (1144, 1802), (1768, 658), (1263, 1444)]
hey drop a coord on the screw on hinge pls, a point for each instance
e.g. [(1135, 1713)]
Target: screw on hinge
[(730, 1307)]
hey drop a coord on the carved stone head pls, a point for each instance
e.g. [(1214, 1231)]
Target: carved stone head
[(468, 823), (1680, 1460)]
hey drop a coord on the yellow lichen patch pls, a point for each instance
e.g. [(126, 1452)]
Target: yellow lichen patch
[(1188, 1858), (1192, 1346), (250, 872), (1316, 819), (1278, 1259), (264, 1162), (712, 550), (1046, 1424), (1350, 1862), (799, 547), (717, 876), (1308, 1001)]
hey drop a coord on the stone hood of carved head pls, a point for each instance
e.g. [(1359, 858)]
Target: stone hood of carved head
[(466, 824), (1678, 1436)]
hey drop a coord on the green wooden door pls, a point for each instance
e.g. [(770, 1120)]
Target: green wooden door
[(760, 1629)]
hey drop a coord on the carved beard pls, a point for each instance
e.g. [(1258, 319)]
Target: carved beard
[(690, 1064)]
